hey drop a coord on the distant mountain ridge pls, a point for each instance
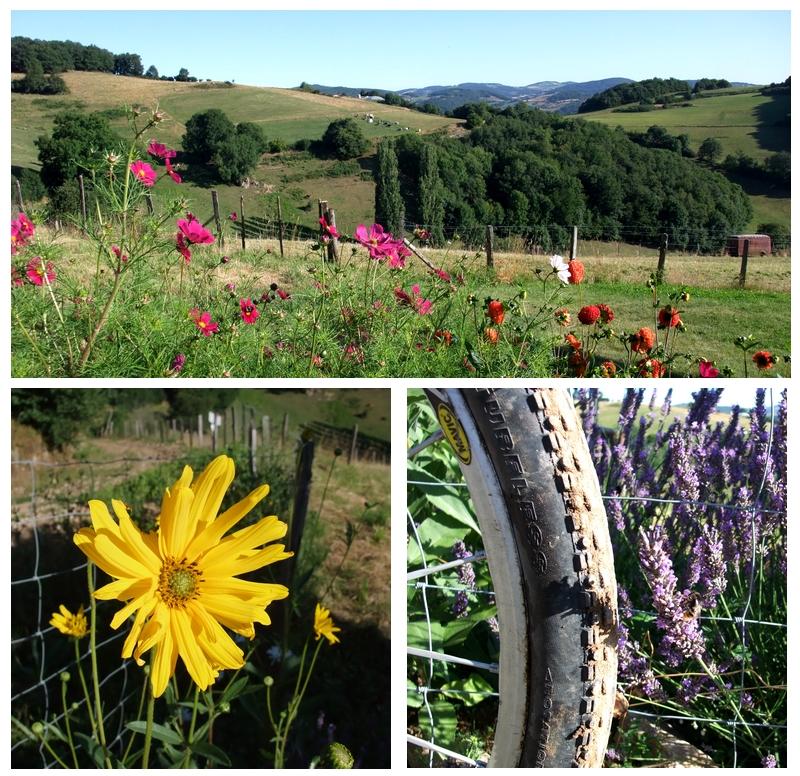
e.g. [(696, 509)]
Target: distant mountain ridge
[(553, 96)]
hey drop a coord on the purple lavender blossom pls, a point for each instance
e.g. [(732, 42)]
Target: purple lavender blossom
[(466, 576), (708, 566), (769, 761), (682, 637)]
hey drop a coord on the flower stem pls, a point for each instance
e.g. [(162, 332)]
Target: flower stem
[(102, 322), (148, 730), (145, 685), (83, 684), (190, 739), (100, 729), (66, 723)]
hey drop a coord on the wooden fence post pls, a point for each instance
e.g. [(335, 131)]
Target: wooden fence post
[(241, 214), (19, 196), (217, 219), (573, 246), (280, 226), (200, 429), (83, 202), (333, 243), (285, 429), (662, 258), (743, 268), (253, 449), (353, 445), (214, 427), (489, 245), (303, 491), (265, 432)]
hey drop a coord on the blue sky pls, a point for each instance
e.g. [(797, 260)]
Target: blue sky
[(398, 49)]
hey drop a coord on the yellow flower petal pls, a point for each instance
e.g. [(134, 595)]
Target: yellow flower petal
[(174, 526), (213, 532)]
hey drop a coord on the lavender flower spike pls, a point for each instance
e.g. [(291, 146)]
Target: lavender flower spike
[(682, 638)]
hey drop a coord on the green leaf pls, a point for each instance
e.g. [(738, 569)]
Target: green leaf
[(93, 748), (417, 633), (454, 507), (413, 696), (234, 689), (160, 732), (211, 752), (444, 723), (471, 691)]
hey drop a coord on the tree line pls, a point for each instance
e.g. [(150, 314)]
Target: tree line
[(42, 60), (527, 167), (647, 91)]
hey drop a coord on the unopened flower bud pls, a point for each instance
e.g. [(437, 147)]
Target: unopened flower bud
[(64, 676), (37, 728), (268, 681)]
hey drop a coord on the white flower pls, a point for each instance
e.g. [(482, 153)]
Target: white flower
[(560, 268)]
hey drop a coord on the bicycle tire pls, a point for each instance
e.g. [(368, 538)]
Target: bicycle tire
[(538, 501)]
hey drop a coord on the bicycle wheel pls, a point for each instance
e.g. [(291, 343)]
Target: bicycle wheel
[(538, 502)]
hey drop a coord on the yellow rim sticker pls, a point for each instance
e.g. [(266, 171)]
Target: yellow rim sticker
[(454, 433)]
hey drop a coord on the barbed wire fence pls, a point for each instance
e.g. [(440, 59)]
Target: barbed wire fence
[(417, 580)]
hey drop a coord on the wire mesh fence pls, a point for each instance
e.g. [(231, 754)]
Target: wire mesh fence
[(747, 627), (47, 571)]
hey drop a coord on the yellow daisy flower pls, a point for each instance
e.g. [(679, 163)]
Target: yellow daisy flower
[(323, 625), (69, 624), (180, 580)]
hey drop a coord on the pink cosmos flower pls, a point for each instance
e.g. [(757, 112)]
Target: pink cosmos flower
[(422, 306), (249, 312), (378, 242), (117, 251), (707, 369), (160, 151), (38, 273), (203, 322), (194, 231), (17, 240), (442, 275), (143, 173), (177, 363), (328, 232), (171, 172), (16, 278), (25, 225), (182, 247), (233, 216), (283, 294)]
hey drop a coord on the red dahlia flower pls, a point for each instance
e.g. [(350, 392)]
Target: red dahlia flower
[(668, 318), (589, 314), (496, 311)]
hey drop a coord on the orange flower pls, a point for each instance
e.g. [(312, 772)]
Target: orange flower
[(608, 369), (491, 334), (643, 340), (764, 360), (651, 367), (573, 341), (496, 312), (443, 335), (578, 363), (576, 271), (562, 316)]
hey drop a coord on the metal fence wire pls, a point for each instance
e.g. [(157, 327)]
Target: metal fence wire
[(419, 581), (48, 570)]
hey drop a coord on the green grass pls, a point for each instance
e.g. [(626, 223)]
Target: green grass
[(741, 122)]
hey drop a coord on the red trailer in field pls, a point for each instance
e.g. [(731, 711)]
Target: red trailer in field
[(760, 244)]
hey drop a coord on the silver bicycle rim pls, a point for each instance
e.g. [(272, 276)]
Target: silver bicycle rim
[(504, 567)]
